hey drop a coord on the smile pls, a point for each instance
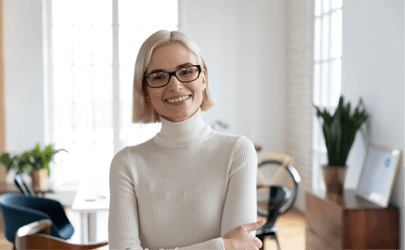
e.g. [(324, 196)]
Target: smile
[(178, 99)]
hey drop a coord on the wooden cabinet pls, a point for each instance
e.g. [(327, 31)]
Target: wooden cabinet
[(349, 222)]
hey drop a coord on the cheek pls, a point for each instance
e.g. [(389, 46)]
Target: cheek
[(156, 97)]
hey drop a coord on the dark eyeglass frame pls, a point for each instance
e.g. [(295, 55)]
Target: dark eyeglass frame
[(174, 74)]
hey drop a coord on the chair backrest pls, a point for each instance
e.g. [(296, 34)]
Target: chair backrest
[(19, 210), (28, 237), (277, 196), (23, 186)]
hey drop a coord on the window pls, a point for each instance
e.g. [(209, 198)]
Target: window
[(94, 44), (327, 73)]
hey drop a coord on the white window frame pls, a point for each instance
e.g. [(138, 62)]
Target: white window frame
[(319, 147), (48, 73)]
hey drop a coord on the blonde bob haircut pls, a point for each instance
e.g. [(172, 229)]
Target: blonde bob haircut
[(142, 111)]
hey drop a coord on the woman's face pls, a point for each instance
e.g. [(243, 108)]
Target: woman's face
[(169, 58)]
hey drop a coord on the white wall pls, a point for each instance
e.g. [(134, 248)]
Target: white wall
[(24, 85), (243, 45), (373, 68)]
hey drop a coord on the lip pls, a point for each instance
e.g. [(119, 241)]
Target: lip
[(177, 96)]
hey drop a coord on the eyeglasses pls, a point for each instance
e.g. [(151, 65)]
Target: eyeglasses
[(162, 78)]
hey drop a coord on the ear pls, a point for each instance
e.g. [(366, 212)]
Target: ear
[(204, 74)]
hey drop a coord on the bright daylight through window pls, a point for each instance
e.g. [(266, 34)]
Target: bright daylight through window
[(327, 73), (93, 45)]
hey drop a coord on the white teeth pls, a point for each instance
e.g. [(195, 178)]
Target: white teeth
[(178, 99)]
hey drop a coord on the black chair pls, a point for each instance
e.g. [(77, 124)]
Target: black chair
[(19, 210), (277, 195), (23, 186)]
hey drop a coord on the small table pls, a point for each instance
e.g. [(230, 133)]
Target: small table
[(349, 222), (91, 197)]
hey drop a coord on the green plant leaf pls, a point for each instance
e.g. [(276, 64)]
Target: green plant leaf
[(340, 130), (336, 129), (328, 137)]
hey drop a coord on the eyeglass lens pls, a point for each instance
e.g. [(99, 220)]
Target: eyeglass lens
[(186, 74)]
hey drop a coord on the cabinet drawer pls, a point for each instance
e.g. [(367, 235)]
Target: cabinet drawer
[(315, 242), (324, 219)]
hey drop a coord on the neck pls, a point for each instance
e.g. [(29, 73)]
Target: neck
[(183, 134)]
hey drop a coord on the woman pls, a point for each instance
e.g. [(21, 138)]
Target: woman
[(189, 186)]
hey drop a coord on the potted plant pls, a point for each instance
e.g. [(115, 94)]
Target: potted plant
[(34, 162), (39, 160), (17, 161), (9, 162), (339, 132)]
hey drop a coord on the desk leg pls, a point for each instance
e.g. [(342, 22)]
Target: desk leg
[(92, 229), (84, 227)]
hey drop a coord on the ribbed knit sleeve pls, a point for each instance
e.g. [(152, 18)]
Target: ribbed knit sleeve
[(123, 223), (123, 220), (241, 200)]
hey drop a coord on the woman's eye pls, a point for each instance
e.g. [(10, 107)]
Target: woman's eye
[(185, 71), (158, 76)]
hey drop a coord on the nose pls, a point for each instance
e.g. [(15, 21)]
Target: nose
[(174, 83)]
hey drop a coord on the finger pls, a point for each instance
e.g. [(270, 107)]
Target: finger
[(260, 243), (253, 226)]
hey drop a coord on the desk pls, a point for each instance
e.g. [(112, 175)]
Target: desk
[(91, 197), (349, 222)]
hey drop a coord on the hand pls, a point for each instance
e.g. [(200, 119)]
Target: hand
[(239, 238)]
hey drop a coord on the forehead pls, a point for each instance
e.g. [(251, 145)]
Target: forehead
[(168, 57)]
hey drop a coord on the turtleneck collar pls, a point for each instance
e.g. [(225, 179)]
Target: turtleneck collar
[(183, 134)]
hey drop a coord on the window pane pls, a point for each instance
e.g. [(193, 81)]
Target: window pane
[(317, 39), (82, 44), (131, 39), (84, 160), (63, 122), (325, 37), (325, 84), (132, 134), (337, 33), (336, 4), (102, 44), (103, 15), (126, 83), (325, 5), (83, 89), (317, 7), (63, 135), (317, 87), (336, 81), (62, 12), (126, 114), (62, 83), (103, 122), (147, 13), (82, 11), (103, 86), (83, 119), (104, 152), (65, 169), (83, 83), (62, 43)]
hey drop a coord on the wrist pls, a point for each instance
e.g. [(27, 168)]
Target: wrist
[(225, 243)]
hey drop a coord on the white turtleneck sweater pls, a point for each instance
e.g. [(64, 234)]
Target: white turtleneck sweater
[(185, 188)]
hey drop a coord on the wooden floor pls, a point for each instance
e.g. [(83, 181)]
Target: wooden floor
[(291, 230)]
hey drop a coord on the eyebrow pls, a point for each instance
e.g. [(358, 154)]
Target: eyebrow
[(178, 67)]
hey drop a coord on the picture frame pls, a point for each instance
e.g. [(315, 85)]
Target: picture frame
[(378, 174)]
